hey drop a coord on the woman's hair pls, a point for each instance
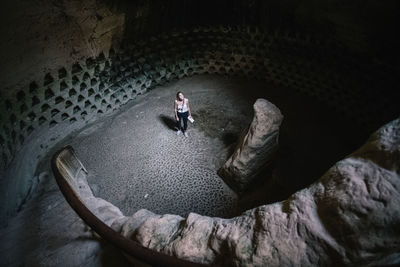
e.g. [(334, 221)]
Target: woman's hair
[(177, 94)]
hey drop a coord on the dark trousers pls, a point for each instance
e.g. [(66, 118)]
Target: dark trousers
[(183, 117)]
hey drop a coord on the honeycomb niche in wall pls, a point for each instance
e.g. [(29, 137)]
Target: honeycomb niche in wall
[(321, 69)]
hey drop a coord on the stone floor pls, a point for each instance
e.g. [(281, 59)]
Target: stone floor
[(135, 160)]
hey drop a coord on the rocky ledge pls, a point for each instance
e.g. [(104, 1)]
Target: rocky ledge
[(350, 216)]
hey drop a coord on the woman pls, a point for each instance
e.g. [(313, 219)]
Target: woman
[(182, 112)]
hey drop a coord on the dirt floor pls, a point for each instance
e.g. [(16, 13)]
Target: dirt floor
[(135, 160)]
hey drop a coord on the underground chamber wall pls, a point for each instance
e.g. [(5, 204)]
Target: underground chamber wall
[(35, 117), (68, 98)]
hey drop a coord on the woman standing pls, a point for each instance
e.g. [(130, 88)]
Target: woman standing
[(182, 112)]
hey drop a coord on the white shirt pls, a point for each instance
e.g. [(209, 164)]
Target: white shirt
[(184, 108)]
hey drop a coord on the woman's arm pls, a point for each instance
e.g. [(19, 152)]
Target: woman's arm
[(176, 110), (190, 114)]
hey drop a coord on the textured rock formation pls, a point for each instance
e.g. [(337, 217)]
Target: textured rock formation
[(103, 209), (350, 216), (48, 35), (255, 149)]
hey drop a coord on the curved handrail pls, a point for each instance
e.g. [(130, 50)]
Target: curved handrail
[(127, 245)]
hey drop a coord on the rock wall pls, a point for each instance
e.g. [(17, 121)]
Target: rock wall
[(40, 42), (41, 36), (38, 36)]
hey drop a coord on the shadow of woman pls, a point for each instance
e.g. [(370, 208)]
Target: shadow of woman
[(170, 122)]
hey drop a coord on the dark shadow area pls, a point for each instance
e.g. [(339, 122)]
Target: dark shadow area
[(168, 121), (110, 255), (229, 138), (58, 229), (369, 27), (264, 189)]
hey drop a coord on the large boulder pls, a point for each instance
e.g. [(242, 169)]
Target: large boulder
[(255, 149)]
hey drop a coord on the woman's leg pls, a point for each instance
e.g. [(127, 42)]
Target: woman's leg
[(179, 122), (185, 120)]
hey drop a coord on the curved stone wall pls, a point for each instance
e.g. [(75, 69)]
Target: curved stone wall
[(67, 98)]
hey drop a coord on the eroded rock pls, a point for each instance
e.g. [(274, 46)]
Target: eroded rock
[(256, 148), (350, 216)]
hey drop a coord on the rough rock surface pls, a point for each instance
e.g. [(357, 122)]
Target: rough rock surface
[(49, 35), (103, 209), (256, 149), (349, 216)]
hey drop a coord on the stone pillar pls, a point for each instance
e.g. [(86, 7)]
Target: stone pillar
[(256, 148)]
